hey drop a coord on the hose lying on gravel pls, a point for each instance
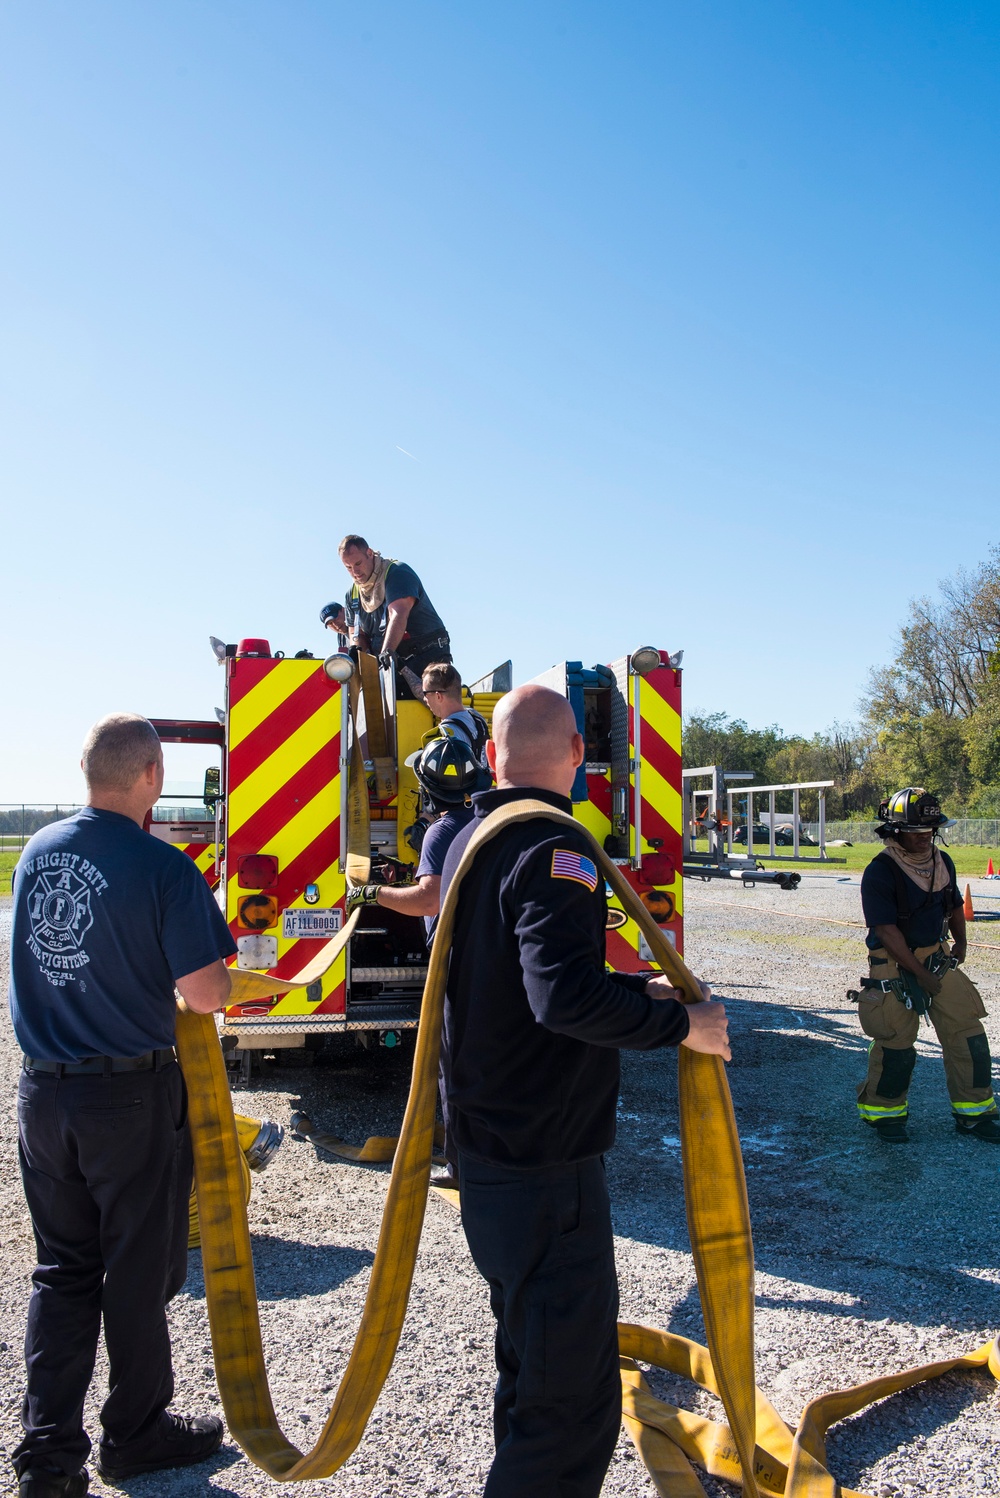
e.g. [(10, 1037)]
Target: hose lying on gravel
[(378, 1149), (755, 1447)]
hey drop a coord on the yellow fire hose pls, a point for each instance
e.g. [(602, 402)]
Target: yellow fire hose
[(755, 1448), (258, 1139), (379, 1149)]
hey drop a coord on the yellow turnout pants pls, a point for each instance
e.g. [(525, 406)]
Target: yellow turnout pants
[(956, 1014)]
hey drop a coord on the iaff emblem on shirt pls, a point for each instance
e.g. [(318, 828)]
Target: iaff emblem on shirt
[(59, 911)]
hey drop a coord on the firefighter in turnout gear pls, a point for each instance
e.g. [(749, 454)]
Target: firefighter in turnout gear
[(448, 775), (911, 905)]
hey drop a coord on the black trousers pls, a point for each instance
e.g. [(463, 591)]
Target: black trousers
[(542, 1240), (416, 662), (106, 1166)]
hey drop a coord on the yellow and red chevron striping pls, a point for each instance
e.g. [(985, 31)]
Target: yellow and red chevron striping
[(283, 798), (621, 953), (202, 854), (267, 820), (660, 761), (263, 739)]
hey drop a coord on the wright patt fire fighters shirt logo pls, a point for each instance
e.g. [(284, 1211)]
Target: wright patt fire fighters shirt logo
[(60, 914), (106, 918)]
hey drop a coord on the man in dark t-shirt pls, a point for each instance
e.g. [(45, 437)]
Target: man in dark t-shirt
[(388, 612), (108, 921), (911, 904)]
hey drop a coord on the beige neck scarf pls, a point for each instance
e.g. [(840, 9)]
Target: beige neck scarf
[(372, 592), (929, 874)]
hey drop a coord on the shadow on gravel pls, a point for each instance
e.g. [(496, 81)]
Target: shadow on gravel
[(856, 1229), (183, 1481), (288, 1270), (856, 1444)]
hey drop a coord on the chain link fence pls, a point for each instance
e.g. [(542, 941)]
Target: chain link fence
[(18, 821), (974, 832)]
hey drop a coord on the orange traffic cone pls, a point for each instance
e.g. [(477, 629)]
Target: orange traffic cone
[(967, 905), (989, 870)]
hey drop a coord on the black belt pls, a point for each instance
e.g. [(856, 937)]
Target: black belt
[(415, 647), (97, 1066)]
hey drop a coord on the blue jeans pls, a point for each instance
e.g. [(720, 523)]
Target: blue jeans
[(542, 1241), (106, 1166)]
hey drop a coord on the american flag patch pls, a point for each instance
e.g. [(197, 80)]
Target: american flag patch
[(567, 865)]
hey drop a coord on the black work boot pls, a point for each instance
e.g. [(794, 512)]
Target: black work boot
[(177, 1441), (890, 1130), (986, 1127), (45, 1482)]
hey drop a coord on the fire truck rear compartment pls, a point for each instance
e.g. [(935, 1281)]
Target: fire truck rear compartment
[(387, 969)]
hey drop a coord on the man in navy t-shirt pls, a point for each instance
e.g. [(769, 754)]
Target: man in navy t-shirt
[(108, 921), (389, 613)]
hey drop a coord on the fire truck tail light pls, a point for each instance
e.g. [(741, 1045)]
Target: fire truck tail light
[(257, 871), (657, 868), (339, 667), (257, 912)]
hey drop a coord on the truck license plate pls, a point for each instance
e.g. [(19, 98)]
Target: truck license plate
[(313, 922)]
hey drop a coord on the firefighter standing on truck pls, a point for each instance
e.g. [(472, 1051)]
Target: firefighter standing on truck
[(911, 903), (388, 612)]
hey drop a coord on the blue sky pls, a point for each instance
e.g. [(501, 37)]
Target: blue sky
[(622, 323)]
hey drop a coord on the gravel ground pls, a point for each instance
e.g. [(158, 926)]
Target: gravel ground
[(869, 1259)]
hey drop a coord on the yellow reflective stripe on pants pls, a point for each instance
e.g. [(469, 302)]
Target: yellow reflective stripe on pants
[(989, 1105), (755, 1446), (867, 1111)]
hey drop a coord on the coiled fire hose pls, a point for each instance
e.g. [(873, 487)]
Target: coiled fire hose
[(755, 1447)]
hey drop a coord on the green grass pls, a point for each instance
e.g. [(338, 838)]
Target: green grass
[(970, 863), (7, 862)]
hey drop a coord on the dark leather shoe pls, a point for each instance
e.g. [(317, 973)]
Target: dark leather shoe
[(42, 1482), (987, 1127), (178, 1441)]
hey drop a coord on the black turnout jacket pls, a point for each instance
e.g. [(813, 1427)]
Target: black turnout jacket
[(533, 1019)]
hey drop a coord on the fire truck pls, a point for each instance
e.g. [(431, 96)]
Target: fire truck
[(312, 765)]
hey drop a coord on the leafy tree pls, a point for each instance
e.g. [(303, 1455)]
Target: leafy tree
[(934, 711)]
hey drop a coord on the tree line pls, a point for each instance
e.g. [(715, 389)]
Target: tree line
[(930, 717)]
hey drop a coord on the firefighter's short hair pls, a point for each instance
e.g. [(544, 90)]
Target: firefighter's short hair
[(353, 543), (119, 749), (441, 676)]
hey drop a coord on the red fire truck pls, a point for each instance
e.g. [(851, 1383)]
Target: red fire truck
[(273, 837)]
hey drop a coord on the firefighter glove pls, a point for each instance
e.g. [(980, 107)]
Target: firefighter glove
[(929, 982), (385, 659), (414, 834), (364, 894)]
